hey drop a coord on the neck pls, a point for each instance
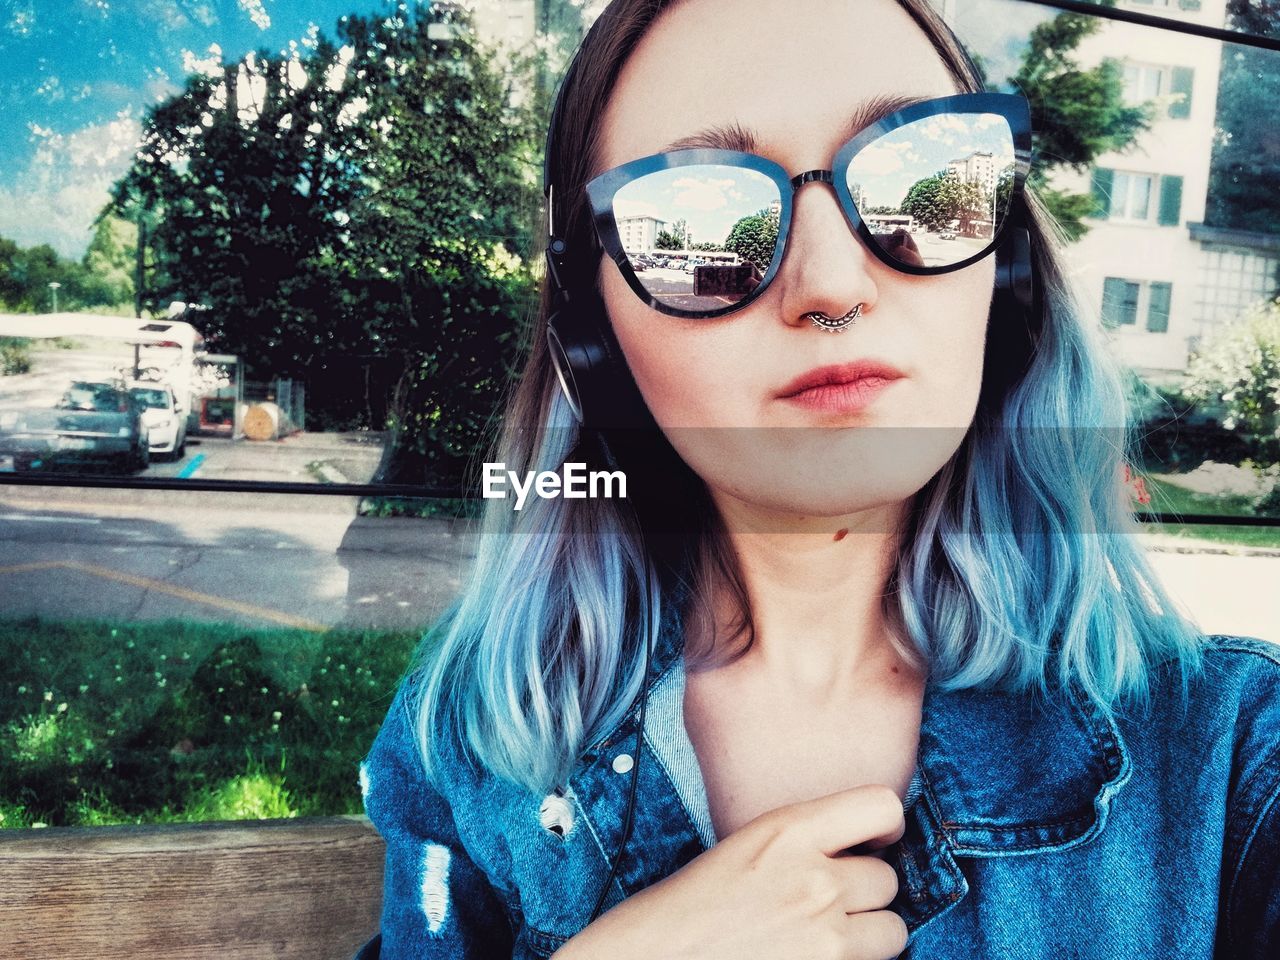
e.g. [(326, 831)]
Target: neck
[(816, 589)]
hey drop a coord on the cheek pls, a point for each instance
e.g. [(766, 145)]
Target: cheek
[(951, 321), (689, 372)]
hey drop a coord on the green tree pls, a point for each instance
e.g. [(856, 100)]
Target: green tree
[(242, 182), (754, 237), (438, 244), (666, 240), (964, 201), (111, 260), (924, 201), (1245, 167), (26, 273), (1077, 114), (359, 217), (11, 287)]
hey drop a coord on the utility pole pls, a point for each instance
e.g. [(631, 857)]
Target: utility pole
[(141, 260)]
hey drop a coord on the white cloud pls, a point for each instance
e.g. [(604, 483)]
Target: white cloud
[(210, 66), (21, 22), (337, 74), (67, 182), (251, 91), (701, 194), (257, 13), (883, 157)]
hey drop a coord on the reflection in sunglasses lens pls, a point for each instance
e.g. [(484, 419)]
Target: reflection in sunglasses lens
[(699, 238), (933, 192)]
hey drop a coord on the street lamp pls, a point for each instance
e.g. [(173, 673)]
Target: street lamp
[(53, 286)]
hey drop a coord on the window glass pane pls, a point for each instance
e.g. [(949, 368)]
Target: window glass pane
[(342, 301), (1123, 185), (1209, 145), (1139, 198)]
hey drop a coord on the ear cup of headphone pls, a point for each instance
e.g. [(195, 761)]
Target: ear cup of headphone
[(589, 364), (1012, 326), (1015, 273)]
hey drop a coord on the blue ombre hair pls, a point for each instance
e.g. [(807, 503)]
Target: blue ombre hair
[(1019, 565)]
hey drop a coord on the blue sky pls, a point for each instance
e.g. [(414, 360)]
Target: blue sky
[(75, 76)]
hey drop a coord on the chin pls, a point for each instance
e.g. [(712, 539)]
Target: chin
[(799, 506)]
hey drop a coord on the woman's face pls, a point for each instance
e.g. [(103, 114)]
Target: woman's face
[(792, 73)]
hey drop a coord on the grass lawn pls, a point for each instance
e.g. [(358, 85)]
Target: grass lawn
[(161, 722), (1170, 498)]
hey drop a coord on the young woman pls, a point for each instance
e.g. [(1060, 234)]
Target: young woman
[(868, 659)]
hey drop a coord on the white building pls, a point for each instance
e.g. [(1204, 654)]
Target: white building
[(979, 168), (640, 234), (1158, 279), (1139, 265), (509, 24)]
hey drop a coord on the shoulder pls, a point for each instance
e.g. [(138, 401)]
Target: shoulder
[(1242, 678), (1220, 729), (1239, 675)]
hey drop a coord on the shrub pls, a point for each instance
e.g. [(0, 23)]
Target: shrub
[(1240, 366), (15, 356)]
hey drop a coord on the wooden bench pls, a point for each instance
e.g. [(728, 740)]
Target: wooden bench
[(273, 889)]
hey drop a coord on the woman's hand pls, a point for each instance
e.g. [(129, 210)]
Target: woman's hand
[(784, 887)]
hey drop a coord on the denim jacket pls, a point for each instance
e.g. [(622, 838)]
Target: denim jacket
[(1032, 832)]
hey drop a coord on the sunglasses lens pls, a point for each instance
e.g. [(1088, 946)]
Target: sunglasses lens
[(935, 191), (699, 238)]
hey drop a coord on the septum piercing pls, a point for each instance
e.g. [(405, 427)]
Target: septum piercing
[(834, 324)]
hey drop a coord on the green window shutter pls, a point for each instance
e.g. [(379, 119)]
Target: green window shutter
[(1100, 186), (1189, 4), (1170, 201), (1158, 307), (1119, 302), (1180, 86)]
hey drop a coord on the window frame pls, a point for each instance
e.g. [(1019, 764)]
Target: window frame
[(1142, 303)]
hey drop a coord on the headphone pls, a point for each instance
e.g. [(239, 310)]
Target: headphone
[(596, 382)]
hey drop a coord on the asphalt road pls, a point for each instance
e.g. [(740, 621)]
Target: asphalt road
[(255, 560), (309, 561)]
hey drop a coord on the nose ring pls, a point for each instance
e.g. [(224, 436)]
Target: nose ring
[(834, 324)]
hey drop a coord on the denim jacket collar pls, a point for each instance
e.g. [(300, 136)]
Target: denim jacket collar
[(1000, 774), (1004, 774)]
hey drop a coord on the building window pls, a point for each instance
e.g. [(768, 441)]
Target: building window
[(1166, 4), (1172, 86), (1144, 81), (1234, 279), (1137, 197), (1119, 302), (1131, 196), (1124, 301)]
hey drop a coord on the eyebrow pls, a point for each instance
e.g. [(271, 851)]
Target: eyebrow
[(734, 136)]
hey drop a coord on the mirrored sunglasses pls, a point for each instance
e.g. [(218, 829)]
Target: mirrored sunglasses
[(929, 188)]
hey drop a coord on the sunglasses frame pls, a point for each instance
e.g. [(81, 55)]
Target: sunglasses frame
[(602, 190)]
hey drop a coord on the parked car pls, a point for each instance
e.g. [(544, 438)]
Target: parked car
[(166, 421), (94, 423), (947, 235)]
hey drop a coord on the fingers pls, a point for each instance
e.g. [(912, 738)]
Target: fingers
[(871, 884), (870, 815), (881, 935)]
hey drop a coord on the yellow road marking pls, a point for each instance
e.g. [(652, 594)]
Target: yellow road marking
[(25, 567), (147, 583)]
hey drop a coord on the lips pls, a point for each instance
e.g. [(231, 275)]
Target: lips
[(864, 373)]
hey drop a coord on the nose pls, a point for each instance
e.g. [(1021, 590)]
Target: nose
[(826, 268)]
